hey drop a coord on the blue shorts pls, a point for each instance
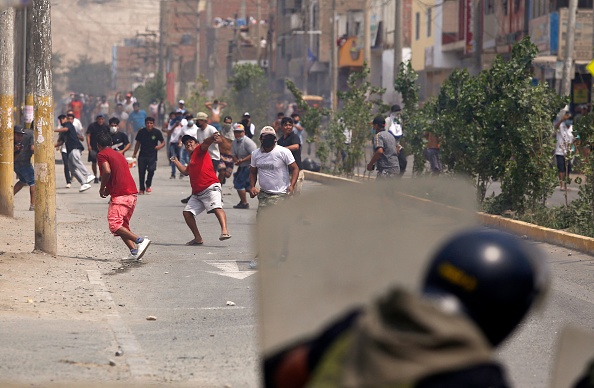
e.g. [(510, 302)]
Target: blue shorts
[(241, 178), (26, 174)]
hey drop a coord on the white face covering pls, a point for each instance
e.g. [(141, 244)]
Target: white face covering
[(113, 130)]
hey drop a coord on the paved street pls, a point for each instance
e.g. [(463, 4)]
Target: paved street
[(64, 318)]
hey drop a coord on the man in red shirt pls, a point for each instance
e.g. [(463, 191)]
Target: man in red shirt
[(206, 188), (117, 181)]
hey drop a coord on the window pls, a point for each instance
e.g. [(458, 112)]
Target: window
[(489, 7), (417, 25), (428, 22), (504, 5)]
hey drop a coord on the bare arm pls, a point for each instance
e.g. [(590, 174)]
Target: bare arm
[(136, 148), (89, 141), (294, 176), (215, 138), (378, 153), (126, 148), (105, 176), (182, 169), (253, 179), (293, 147)]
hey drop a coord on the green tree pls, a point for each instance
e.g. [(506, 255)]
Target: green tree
[(250, 93), (497, 126), (89, 77), (153, 89)]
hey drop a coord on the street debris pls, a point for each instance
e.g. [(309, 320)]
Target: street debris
[(229, 303), (151, 318)]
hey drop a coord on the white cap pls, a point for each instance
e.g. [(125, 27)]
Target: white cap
[(181, 102), (247, 114)]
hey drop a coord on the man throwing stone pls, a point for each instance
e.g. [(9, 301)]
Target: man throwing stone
[(207, 193), (117, 181)]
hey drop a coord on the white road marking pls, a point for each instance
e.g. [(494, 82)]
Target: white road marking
[(138, 364), (229, 268)]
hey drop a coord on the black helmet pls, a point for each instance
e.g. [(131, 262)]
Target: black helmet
[(494, 277)]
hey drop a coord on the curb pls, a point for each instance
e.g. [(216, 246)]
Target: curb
[(534, 232)]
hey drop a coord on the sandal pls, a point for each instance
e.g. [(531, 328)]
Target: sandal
[(225, 236), (194, 242)]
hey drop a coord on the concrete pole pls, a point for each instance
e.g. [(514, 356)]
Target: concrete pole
[(333, 60), (20, 43), (30, 75), (161, 39), (398, 26), (6, 112), (45, 180), (568, 56), (367, 33), (306, 28), (258, 49)]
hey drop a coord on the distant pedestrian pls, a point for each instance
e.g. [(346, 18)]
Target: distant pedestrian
[(149, 140), (241, 149), (120, 141), (102, 107), (290, 140), (384, 147), (564, 148), (136, 120), (117, 182), (174, 132), (24, 147), (181, 107), (227, 139), (277, 123), (394, 126), (216, 107), (93, 131), (432, 152), (206, 189), (250, 128), (297, 127), (74, 148)]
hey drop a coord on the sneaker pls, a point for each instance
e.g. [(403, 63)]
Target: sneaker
[(149, 190), (185, 200), (96, 181), (142, 248), (31, 208), (84, 187), (241, 206), (181, 176), (172, 177), (67, 185), (91, 178), (140, 192)]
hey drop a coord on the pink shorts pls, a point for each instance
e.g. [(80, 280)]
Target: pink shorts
[(120, 211)]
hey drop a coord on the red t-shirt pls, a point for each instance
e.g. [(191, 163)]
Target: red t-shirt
[(76, 107), (121, 181), (201, 170)]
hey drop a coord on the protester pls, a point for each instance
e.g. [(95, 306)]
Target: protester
[(291, 141), (93, 131), (120, 141), (215, 107), (384, 146), (149, 140), (73, 149), (564, 147), (241, 149), (24, 146), (117, 182), (207, 192)]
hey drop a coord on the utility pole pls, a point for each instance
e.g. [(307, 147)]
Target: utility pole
[(161, 38), (258, 48), (45, 180), (20, 56), (6, 107), (367, 34), (306, 28), (568, 58), (334, 60), (398, 27), (29, 75), (478, 35)]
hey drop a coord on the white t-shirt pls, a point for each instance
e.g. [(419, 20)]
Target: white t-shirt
[(565, 140), (273, 174), (176, 133), (202, 134), (393, 126)]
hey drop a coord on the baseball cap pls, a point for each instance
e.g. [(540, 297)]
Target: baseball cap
[(267, 130), (201, 116), (19, 129), (247, 114), (181, 102), (395, 108), (238, 127), (185, 138), (99, 116), (379, 120)]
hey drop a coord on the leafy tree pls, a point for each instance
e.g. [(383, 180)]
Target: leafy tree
[(311, 120), (250, 92), (153, 89), (89, 77), (198, 96)]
